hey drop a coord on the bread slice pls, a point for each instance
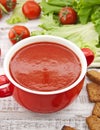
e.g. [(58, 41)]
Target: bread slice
[(96, 109), (93, 122), (67, 128), (94, 76), (93, 92)]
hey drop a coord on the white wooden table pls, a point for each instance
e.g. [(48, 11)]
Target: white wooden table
[(15, 117)]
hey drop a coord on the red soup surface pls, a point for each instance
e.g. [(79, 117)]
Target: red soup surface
[(45, 66)]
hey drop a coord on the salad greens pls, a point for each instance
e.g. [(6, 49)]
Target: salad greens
[(95, 18), (17, 15), (81, 35), (54, 6), (86, 33), (49, 8), (60, 2), (49, 22), (88, 10)]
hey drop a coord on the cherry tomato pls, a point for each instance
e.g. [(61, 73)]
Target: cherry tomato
[(0, 13), (18, 33), (31, 9), (67, 15), (8, 4), (89, 55)]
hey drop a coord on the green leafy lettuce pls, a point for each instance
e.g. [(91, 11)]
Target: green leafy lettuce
[(81, 35), (95, 18), (49, 21), (61, 3), (88, 11), (47, 8), (54, 6), (17, 15), (84, 34)]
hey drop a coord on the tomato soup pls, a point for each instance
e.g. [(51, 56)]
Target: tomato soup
[(45, 66)]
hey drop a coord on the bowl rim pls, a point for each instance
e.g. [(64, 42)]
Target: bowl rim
[(48, 38)]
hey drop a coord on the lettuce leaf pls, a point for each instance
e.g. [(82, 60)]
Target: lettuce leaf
[(49, 21), (95, 18), (17, 15), (84, 15), (61, 3), (54, 6), (48, 8), (89, 3), (81, 35), (84, 36), (85, 33), (85, 9)]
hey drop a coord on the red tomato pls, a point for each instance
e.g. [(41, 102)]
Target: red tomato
[(89, 55), (8, 4), (0, 13), (67, 15), (31, 9), (18, 33)]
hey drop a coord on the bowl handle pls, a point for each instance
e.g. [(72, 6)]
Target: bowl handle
[(6, 87), (89, 55)]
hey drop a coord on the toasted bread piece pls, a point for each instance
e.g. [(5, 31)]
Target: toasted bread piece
[(94, 76), (96, 109), (93, 122), (93, 92), (67, 128)]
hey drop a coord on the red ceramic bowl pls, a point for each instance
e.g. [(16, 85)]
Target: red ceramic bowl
[(39, 101)]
